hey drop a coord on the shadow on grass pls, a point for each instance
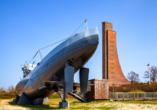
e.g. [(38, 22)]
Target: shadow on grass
[(34, 107), (92, 102)]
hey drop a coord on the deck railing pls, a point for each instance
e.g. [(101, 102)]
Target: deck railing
[(132, 95)]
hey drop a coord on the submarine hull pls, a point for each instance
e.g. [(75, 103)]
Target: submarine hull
[(76, 54)]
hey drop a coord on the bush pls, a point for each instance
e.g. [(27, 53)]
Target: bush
[(5, 97), (143, 87), (12, 91), (136, 90)]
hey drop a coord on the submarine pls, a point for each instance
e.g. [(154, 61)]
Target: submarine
[(56, 70)]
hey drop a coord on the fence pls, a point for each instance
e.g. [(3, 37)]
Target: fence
[(132, 95)]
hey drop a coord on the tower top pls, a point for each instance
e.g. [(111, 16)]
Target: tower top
[(107, 26), (106, 22)]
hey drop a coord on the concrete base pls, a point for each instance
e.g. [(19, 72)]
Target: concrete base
[(63, 104), (46, 100)]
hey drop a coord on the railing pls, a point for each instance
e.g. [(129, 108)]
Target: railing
[(132, 95)]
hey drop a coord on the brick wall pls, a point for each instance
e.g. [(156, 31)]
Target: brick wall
[(105, 26), (111, 66)]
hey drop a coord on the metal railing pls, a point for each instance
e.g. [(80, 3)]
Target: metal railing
[(132, 95)]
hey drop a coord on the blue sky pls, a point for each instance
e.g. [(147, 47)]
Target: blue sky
[(28, 25)]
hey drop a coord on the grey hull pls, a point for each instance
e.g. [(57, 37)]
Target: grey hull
[(75, 54)]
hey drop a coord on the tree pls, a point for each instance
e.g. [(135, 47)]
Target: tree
[(12, 91), (2, 90), (133, 77), (153, 74)]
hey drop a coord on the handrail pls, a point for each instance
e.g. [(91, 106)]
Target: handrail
[(133, 95)]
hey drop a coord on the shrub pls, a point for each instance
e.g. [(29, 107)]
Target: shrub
[(136, 90), (5, 97)]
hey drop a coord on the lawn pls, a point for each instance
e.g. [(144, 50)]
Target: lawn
[(153, 102), (75, 104)]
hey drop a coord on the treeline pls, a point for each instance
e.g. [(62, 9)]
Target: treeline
[(150, 75), (9, 93), (136, 87)]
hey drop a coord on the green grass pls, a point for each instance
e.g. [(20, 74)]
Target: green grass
[(92, 105), (75, 104), (52, 104), (5, 97)]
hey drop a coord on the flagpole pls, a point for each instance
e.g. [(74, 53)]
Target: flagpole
[(149, 73)]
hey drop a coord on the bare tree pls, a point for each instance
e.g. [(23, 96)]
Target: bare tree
[(1, 90), (12, 91), (133, 77), (153, 74)]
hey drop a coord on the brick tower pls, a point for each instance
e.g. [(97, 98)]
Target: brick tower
[(111, 66)]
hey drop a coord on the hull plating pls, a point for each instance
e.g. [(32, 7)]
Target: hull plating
[(76, 54)]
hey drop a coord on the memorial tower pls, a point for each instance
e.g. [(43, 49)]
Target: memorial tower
[(110, 62)]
